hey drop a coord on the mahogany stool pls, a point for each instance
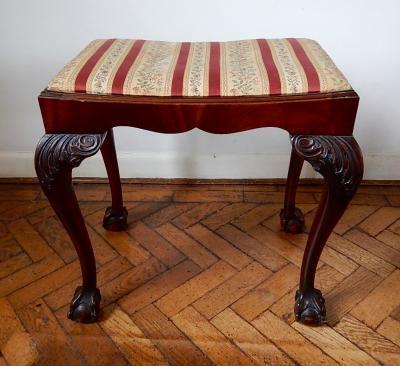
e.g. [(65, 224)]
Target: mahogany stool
[(218, 87)]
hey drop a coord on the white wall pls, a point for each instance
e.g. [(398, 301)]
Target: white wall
[(38, 37)]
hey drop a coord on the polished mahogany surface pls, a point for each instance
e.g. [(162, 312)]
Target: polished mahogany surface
[(317, 114)]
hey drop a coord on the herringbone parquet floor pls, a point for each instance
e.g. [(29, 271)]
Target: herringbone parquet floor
[(202, 276)]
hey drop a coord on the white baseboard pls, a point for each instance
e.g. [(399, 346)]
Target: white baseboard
[(168, 165)]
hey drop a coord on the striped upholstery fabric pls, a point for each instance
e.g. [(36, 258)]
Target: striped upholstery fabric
[(237, 68)]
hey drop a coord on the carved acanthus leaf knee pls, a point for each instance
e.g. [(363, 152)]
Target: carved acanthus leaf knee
[(56, 152), (337, 158)]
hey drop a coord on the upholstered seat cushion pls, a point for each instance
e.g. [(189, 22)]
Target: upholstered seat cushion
[(238, 68)]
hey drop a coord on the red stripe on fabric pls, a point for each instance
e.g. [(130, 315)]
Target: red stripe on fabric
[(122, 72), (309, 69), (84, 72), (179, 72), (270, 67), (214, 88)]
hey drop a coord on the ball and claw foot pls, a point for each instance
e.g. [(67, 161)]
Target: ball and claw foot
[(85, 305), (115, 222), (309, 307), (294, 224)]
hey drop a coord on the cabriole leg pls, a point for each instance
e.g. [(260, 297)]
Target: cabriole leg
[(56, 156), (115, 217), (292, 219), (339, 160)]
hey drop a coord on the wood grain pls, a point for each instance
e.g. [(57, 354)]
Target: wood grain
[(209, 280)]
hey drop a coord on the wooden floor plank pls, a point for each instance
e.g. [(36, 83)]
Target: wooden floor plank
[(374, 246), (249, 340), (184, 295), (156, 244), (252, 247), (274, 242), (196, 214), (335, 345), (368, 340), (54, 233), (158, 286), (21, 349), (353, 215), (380, 220), (19, 209), (138, 211), (29, 274), (9, 322), (173, 344), (329, 255), (395, 227), (29, 239), (255, 216), (89, 339), (260, 298), (8, 248), (380, 302), (127, 282), (360, 255), (45, 285), (167, 214), (54, 345), (227, 214), (39, 216), (124, 244), (13, 264), (389, 238), (349, 293), (220, 247), (185, 244), (138, 349), (210, 340), (390, 328), (231, 290), (290, 341)]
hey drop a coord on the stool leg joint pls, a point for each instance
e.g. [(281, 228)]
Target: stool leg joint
[(56, 155), (339, 160), (116, 216), (292, 219)]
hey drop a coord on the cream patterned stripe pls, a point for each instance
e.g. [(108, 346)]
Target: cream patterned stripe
[(171, 68), (281, 72)]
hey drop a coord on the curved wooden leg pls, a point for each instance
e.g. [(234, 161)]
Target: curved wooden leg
[(339, 160), (115, 217), (292, 219), (56, 156)]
